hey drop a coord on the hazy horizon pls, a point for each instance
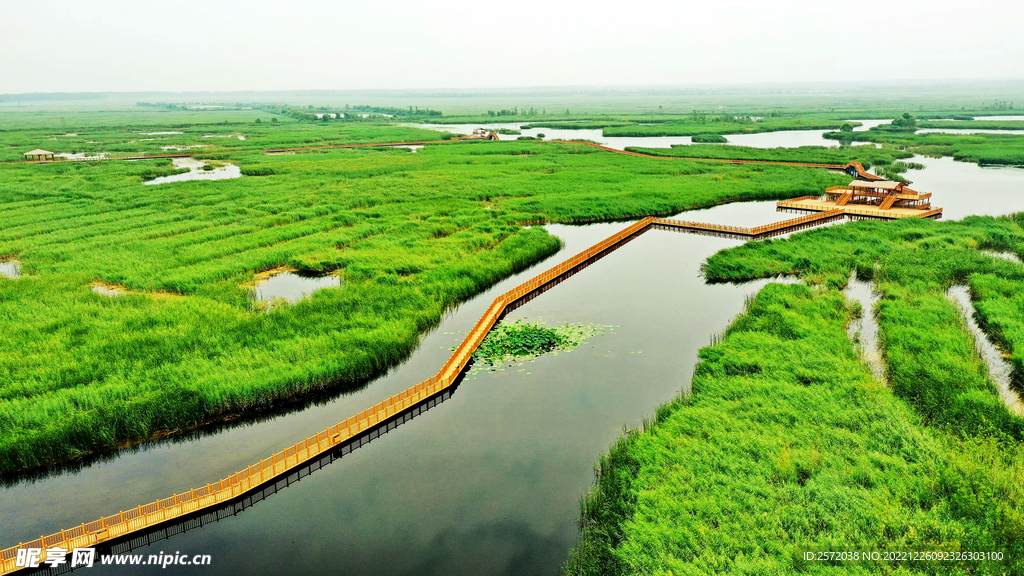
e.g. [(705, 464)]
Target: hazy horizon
[(258, 46)]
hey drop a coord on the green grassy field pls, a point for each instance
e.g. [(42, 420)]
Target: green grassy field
[(410, 235), (787, 443)]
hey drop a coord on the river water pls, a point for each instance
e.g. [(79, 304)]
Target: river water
[(789, 138), (489, 481)]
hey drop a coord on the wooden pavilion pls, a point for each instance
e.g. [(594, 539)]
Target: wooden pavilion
[(885, 199), (38, 154)]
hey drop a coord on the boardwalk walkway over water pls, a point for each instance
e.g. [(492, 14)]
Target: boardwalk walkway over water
[(117, 527)]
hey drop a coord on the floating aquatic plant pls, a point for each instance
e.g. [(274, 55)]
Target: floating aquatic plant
[(523, 340)]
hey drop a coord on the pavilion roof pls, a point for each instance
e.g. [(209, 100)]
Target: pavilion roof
[(37, 152), (876, 184)]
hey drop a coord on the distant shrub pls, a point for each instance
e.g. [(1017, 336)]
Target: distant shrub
[(257, 171), (709, 139)]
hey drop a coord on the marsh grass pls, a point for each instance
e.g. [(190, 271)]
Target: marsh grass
[(787, 443), (867, 155)]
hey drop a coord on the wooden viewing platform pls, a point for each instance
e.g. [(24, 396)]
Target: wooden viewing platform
[(879, 199)]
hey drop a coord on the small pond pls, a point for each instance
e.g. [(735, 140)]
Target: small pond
[(80, 156), (293, 287), (10, 269), (106, 291), (197, 173)]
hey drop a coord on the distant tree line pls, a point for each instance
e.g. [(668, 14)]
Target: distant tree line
[(702, 117), (517, 112)]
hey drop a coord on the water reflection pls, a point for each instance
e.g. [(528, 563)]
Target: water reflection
[(11, 269), (864, 330), (293, 287), (195, 521), (81, 156), (1000, 118), (196, 172), (963, 189), (1010, 256)]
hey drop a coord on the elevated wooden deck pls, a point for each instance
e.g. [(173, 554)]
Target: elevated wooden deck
[(858, 211), (757, 232), (148, 516)]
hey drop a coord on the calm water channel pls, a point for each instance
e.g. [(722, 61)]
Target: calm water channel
[(489, 481)]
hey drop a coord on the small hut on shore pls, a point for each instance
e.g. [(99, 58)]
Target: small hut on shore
[(38, 154), (480, 134)]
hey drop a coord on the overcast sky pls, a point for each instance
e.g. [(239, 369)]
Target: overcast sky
[(113, 45)]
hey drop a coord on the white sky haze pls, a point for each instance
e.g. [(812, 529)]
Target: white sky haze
[(189, 45)]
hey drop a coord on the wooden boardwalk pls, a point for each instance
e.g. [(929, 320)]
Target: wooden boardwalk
[(153, 514)]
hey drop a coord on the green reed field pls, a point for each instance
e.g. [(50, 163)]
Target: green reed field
[(409, 234), (867, 155), (1003, 149), (787, 443)]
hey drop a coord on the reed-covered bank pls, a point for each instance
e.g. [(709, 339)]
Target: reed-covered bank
[(867, 155), (787, 445)]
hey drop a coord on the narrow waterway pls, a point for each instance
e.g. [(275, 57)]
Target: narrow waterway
[(999, 370), (864, 331)]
